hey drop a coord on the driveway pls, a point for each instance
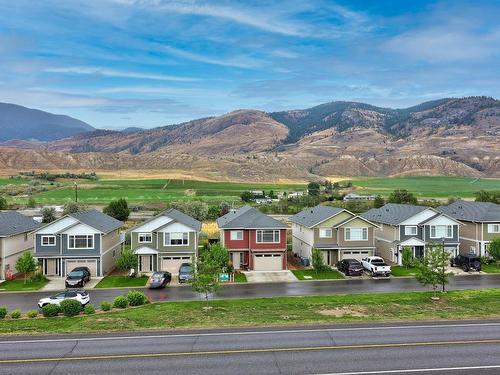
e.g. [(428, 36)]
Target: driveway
[(269, 276), (57, 283)]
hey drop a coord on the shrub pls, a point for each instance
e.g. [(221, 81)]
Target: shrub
[(3, 312), (32, 314), (89, 309), (70, 307), (105, 306), (135, 298), (120, 302), (16, 314), (49, 311)]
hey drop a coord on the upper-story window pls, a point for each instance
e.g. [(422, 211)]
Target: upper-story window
[(48, 240), (325, 232), (145, 238), (441, 231), (356, 234), (85, 241), (493, 228), (176, 238), (268, 236), (236, 235), (411, 230)]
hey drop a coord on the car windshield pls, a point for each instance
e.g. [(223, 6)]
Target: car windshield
[(378, 261), (186, 269), (157, 275), (355, 263), (76, 274), (57, 296)]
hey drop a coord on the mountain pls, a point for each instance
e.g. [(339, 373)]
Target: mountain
[(21, 123)]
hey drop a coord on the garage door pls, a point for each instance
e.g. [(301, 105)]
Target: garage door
[(356, 254), (267, 262), (91, 264), (173, 263)]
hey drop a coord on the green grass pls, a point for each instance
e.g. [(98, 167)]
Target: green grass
[(402, 271), (490, 268), (13, 181), (240, 278), (313, 275), (481, 304), (122, 281), (19, 285)]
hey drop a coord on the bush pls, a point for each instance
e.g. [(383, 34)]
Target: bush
[(105, 306), (70, 307), (135, 298), (89, 309), (3, 312), (32, 314), (120, 302), (49, 311), (16, 314)]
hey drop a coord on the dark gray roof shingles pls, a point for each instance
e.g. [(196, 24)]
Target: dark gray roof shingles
[(309, 217), (248, 218), (393, 213), (182, 218), (12, 222), (97, 220), (472, 211)]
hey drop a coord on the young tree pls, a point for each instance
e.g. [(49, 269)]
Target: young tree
[(402, 196), (317, 261), (31, 203), (26, 264), (217, 255), (206, 278), (494, 250), (71, 207), (407, 257), (378, 201), (313, 189), (431, 270), (48, 215), (3, 203), (127, 260), (246, 196), (117, 209)]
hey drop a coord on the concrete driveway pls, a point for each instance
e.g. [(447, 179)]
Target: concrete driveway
[(269, 276), (57, 284)]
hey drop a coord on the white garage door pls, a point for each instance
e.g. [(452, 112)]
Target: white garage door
[(91, 264), (173, 263), (356, 254), (267, 262)]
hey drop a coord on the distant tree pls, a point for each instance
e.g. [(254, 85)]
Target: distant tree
[(407, 257), (127, 260), (48, 215), (272, 195), (488, 196), (431, 269), (313, 189), (118, 209), (224, 208), (246, 196), (378, 201), (71, 207), (494, 249), (31, 203), (196, 209), (402, 196), (317, 261), (213, 213), (26, 264), (3, 203)]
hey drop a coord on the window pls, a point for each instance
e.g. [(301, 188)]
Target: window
[(48, 240), (325, 232), (236, 235), (85, 241), (145, 238), (493, 228), (411, 230), (356, 234), (268, 236), (441, 231), (176, 238)]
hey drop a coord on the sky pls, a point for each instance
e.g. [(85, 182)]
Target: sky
[(147, 63)]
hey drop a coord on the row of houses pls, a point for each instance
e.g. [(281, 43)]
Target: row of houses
[(254, 240)]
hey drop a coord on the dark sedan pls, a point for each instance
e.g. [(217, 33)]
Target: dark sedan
[(350, 267), (159, 280), (77, 277)]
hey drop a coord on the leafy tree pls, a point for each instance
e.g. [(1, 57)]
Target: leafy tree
[(3, 203), (224, 208), (494, 249), (213, 213), (26, 264), (407, 257), (402, 196), (488, 196), (217, 255), (31, 203), (272, 195), (246, 196), (431, 270), (48, 215), (313, 189), (378, 201), (196, 209), (318, 262), (71, 207), (206, 279), (118, 209), (127, 260)]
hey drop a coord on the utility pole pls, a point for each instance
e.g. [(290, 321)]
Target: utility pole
[(76, 192)]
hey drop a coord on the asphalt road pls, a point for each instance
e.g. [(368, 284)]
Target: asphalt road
[(424, 348)]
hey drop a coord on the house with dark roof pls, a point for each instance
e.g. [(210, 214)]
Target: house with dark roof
[(337, 232), (414, 227), (165, 241), (481, 224), (255, 241), (15, 239), (84, 239)]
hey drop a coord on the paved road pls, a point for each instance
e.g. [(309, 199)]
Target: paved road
[(27, 301), (426, 348)]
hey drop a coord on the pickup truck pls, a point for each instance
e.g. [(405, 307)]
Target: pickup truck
[(376, 266)]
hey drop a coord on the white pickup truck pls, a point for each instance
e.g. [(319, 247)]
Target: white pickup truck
[(376, 266)]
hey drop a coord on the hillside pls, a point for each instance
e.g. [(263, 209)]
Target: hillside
[(21, 123)]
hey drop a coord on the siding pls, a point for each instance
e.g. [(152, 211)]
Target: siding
[(95, 251), (325, 241), (110, 240), (236, 244), (167, 249), (404, 237), (489, 236), (46, 250), (268, 246), (447, 240), (369, 243)]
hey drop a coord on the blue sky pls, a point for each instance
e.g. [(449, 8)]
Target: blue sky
[(120, 63)]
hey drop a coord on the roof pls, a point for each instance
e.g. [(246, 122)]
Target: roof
[(182, 218), (97, 220), (393, 213), (310, 217), (472, 211), (248, 218), (12, 222)]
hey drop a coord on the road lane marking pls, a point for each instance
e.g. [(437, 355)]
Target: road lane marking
[(252, 351), (249, 333), (407, 371)]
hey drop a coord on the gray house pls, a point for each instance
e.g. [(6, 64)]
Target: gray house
[(88, 238), (415, 227)]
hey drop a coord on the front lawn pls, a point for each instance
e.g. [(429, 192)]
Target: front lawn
[(19, 285), (403, 271), (122, 282), (313, 275), (490, 268), (280, 311), (240, 278)]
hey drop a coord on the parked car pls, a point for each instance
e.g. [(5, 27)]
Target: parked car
[(376, 266), (350, 267), (80, 295), (79, 276), (159, 280), (466, 262), (185, 273)]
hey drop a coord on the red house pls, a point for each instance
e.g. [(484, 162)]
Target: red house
[(255, 241)]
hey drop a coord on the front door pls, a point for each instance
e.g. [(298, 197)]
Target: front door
[(237, 259), (50, 267), (419, 252)]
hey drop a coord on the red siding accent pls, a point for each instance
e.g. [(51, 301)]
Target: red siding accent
[(234, 244), (268, 246)]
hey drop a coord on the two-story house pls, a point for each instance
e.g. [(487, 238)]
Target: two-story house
[(15, 239), (415, 227), (83, 239), (481, 224), (338, 233), (255, 241), (164, 242)]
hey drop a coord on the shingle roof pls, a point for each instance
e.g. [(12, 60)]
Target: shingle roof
[(393, 213), (182, 218), (472, 211), (248, 218), (12, 222), (97, 220), (315, 215)]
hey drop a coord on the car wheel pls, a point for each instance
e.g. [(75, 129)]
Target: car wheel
[(347, 273), (465, 268)]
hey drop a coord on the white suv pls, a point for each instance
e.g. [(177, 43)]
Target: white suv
[(79, 295)]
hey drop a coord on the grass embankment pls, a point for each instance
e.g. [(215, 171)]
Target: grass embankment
[(490, 268), (19, 285), (313, 275), (122, 282), (274, 311), (402, 271)]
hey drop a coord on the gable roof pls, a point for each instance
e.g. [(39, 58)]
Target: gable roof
[(248, 218), (472, 211), (354, 218), (310, 217), (175, 215), (12, 222), (97, 220), (393, 213)]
